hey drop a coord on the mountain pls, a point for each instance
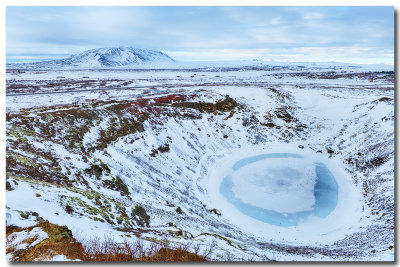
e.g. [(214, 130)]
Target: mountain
[(112, 57)]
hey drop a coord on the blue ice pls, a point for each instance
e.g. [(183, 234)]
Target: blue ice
[(325, 193)]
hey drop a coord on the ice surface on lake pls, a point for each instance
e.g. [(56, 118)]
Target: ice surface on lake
[(276, 184), (281, 188)]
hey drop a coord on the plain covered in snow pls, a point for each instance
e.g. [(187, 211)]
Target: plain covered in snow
[(182, 155)]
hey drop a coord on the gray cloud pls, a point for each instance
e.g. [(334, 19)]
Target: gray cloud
[(193, 32)]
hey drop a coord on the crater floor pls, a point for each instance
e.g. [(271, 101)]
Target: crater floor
[(280, 188)]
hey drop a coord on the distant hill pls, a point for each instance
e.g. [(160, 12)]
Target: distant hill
[(112, 57)]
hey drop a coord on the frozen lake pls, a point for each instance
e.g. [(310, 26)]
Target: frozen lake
[(283, 189)]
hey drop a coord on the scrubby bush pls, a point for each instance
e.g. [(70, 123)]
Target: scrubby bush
[(179, 210), (117, 184), (69, 209), (8, 186), (140, 216), (161, 149)]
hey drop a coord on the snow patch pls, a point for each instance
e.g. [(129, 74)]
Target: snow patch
[(61, 258), (17, 239)]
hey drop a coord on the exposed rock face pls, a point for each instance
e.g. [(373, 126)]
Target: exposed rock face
[(224, 105)]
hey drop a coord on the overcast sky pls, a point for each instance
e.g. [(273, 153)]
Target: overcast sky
[(345, 34)]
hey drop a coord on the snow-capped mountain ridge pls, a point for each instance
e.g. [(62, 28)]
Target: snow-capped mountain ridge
[(108, 57), (119, 56)]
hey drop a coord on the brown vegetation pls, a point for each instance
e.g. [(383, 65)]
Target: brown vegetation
[(61, 242)]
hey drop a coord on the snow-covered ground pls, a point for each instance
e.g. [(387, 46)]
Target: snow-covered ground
[(174, 155)]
